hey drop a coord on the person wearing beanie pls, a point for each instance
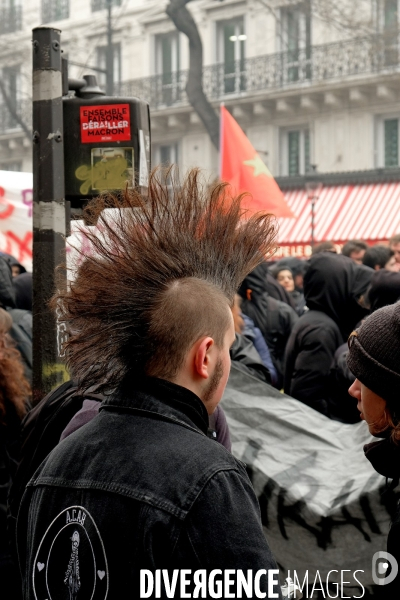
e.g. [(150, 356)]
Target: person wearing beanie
[(374, 359)]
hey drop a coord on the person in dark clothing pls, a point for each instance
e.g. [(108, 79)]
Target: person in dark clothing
[(384, 289), (334, 287), (142, 486), (298, 268), (269, 284), (380, 257), (275, 319), (14, 396), (23, 291), (21, 330), (90, 409), (245, 356), (342, 407), (250, 349), (327, 246), (374, 359), (254, 334), (16, 267), (355, 249), (285, 278)]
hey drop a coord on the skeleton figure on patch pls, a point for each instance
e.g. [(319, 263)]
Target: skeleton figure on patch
[(72, 578)]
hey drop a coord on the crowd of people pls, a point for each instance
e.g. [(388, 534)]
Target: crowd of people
[(305, 311), (149, 350)]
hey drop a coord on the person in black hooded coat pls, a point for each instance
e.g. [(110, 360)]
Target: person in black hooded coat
[(334, 287), (384, 289), (271, 286), (21, 330), (274, 318)]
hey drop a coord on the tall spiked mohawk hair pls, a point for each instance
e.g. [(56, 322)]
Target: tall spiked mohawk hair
[(180, 231)]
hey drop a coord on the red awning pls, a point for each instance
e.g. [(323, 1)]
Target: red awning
[(369, 212)]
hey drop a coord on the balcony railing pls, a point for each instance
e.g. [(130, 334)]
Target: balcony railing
[(293, 68), (10, 19), (284, 70)]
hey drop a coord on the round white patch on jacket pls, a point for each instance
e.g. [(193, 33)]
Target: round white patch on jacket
[(71, 561)]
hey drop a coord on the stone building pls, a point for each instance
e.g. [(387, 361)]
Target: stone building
[(312, 94)]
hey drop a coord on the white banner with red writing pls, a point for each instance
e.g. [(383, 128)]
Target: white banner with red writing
[(16, 198)]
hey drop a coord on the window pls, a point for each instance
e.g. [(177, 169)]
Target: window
[(102, 64), (12, 80), (10, 16), (54, 10), (167, 66), (387, 141), (389, 19), (102, 4), (231, 52), (167, 154), (295, 151), (296, 42), (391, 142)]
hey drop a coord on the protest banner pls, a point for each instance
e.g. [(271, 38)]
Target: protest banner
[(16, 198), (323, 506)]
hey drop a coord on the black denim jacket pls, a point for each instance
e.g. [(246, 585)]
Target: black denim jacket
[(139, 487)]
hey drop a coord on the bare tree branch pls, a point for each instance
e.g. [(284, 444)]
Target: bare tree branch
[(344, 15), (184, 22), (13, 111)]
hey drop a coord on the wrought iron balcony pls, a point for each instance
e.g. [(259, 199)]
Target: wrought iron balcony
[(54, 10), (10, 18), (290, 69)]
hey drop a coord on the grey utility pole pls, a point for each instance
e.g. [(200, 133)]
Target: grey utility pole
[(49, 217), (110, 52)]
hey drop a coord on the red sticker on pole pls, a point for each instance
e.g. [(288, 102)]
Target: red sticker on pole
[(105, 123)]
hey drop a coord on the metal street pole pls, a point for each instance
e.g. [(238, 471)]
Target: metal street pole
[(313, 188), (48, 205), (110, 53)]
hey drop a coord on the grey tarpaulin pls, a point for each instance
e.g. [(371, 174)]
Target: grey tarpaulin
[(321, 501)]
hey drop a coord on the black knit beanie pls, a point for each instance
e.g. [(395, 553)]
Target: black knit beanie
[(374, 355)]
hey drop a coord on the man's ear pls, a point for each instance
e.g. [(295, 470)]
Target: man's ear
[(202, 357)]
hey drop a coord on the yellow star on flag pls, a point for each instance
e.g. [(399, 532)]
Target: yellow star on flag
[(259, 166)]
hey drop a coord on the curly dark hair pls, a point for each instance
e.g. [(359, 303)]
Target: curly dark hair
[(14, 388), (163, 269)]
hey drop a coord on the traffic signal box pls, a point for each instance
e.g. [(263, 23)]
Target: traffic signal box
[(106, 145)]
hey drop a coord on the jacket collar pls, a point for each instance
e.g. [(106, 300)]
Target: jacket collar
[(161, 398), (384, 457)]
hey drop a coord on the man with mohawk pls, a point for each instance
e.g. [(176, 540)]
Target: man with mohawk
[(150, 497)]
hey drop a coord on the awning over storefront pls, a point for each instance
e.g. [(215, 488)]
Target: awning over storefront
[(369, 212)]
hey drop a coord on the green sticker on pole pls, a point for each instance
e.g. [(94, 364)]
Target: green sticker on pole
[(106, 145), (105, 123)]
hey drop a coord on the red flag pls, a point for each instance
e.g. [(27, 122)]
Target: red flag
[(243, 168)]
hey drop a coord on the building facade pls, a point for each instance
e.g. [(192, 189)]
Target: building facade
[(309, 93)]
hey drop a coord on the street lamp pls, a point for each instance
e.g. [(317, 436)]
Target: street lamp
[(313, 187)]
